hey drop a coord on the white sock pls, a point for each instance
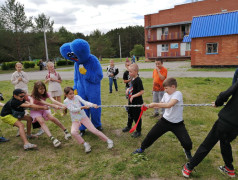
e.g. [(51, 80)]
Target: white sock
[(109, 141), (85, 144)]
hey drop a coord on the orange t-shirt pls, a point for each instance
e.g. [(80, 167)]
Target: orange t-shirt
[(157, 82)]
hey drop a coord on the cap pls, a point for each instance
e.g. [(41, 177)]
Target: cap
[(18, 91)]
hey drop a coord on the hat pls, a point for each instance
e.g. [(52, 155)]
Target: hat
[(18, 91)]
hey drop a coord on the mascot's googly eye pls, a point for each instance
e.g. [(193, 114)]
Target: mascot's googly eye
[(70, 54)]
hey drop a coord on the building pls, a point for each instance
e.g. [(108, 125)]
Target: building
[(165, 30), (214, 40)]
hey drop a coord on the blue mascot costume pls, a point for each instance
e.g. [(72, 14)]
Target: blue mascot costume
[(87, 77)]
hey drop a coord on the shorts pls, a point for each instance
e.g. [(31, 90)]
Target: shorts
[(55, 93), (39, 113), (9, 119)]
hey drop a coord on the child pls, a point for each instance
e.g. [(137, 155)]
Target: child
[(172, 119), (39, 95), (78, 117), (134, 93), (159, 75), (2, 139), (112, 72), (54, 80), (126, 77), (13, 112), (224, 130), (20, 78)]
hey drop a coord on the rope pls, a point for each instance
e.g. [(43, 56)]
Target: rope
[(193, 105)]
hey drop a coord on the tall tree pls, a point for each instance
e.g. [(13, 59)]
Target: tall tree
[(13, 17), (43, 23)]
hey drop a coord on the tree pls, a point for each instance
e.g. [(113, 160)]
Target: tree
[(13, 18), (138, 50), (43, 23)]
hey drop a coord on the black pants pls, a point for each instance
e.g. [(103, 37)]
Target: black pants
[(163, 126), (133, 115), (221, 133)]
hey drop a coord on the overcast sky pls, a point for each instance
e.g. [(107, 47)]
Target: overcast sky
[(85, 16)]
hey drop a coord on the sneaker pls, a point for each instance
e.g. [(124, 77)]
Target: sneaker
[(226, 171), (40, 132), (138, 151), (31, 136), (87, 147), (188, 154), (185, 171), (3, 139), (110, 144), (126, 129), (67, 136), (29, 146), (155, 115), (136, 134), (56, 142), (99, 128), (82, 133), (18, 133)]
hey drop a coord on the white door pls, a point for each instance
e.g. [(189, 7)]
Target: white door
[(182, 49), (159, 33), (159, 49)]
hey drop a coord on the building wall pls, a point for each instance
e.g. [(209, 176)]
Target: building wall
[(182, 13), (227, 51)]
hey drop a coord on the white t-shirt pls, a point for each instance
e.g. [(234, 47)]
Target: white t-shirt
[(175, 113)]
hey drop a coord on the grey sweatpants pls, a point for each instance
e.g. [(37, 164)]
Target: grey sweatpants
[(157, 97)]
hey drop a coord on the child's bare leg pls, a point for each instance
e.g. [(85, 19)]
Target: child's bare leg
[(75, 132), (87, 123), (56, 121), (28, 124), (58, 98), (43, 125), (20, 125)]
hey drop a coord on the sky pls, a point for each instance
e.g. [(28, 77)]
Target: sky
[(85, 16)]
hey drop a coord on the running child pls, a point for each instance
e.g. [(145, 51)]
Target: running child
[(78, 117), (39, 95)]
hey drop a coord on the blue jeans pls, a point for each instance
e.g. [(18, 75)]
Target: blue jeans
[(111, 80)]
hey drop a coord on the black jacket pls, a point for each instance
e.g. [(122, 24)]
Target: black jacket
[(229, 114)]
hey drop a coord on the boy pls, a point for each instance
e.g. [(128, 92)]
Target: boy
[(159, 75), (134, 93), (126, 77), (14, 111), (20, 78), (112, 72), (172, 119), (224, 130)]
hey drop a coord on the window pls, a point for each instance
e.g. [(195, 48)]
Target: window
[(212, 48), (165, 31), (188, 46), (173, 45), (165, 47)]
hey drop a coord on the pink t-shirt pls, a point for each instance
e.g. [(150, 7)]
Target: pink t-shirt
[(42, 98)]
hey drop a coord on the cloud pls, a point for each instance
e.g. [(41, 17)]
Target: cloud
[(66, 17)]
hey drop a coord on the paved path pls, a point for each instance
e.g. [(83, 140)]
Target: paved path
[(175, 69)]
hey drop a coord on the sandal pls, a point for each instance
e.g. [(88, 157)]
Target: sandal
[(29, 146), (32, 136)]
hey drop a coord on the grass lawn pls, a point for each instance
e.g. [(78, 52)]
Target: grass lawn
[(163, 160), (213, 69)]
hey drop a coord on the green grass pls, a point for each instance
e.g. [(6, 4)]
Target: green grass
[(163, 160)]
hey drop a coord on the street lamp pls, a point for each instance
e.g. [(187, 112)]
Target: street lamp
[(120, 46), (46, 50)]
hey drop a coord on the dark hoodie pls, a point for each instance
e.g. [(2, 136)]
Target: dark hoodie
[(229, 114)]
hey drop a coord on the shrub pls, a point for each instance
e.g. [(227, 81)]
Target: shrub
[(28, 64), (8, 65), (64, 62)]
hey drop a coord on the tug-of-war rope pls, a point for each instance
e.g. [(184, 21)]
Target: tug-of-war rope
[(147, 107), (144, 107)]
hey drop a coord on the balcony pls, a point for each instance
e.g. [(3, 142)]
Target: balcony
[(169, 55), (166, 37)]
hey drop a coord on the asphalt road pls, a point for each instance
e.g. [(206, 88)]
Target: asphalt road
[(175, 69)]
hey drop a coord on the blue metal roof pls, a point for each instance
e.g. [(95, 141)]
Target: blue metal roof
[(214, 25), (187, 39)]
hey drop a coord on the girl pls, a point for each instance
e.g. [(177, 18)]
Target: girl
[(54, 80), (78, 117), (39, 96)]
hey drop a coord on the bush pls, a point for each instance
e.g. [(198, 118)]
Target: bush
[(8, 65), (28, 64), (64, 62)]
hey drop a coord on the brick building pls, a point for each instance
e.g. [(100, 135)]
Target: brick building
[(214, 40), (165, 30)]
